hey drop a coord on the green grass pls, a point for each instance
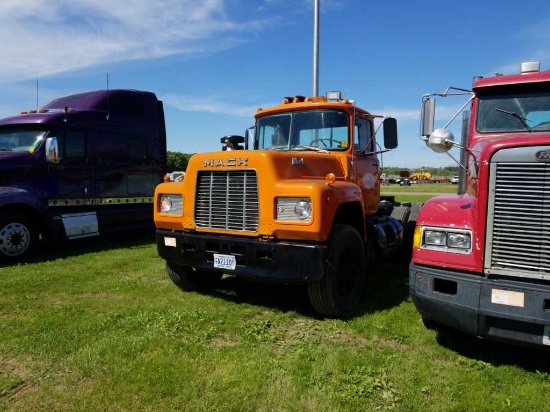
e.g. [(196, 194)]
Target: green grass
[(98, 325), (418, 193)]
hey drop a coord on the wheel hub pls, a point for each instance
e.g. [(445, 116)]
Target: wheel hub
[(14, 239)]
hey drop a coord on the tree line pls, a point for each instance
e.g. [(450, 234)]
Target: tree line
[(448, 171), (176, 161)]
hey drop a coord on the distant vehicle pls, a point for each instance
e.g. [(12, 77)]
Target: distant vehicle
[(454, 180), (404, 178), (82, 165)]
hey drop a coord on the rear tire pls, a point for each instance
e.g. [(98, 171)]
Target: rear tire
[(408, 231), (401, 213), (415, 211), (191, 279), (18, 237), (339, 290)]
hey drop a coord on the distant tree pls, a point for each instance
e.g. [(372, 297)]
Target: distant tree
[(177, 161)]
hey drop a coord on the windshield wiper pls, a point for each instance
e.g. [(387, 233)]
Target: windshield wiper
[(522, 119), (316, 149)]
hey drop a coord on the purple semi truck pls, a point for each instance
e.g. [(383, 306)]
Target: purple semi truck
[(83, 165)]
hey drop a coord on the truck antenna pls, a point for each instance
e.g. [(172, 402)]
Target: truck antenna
[(36, 94), (108, 101), (316, 48)]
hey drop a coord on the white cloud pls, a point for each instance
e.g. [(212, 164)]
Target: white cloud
[(45, 38), (209, 105)]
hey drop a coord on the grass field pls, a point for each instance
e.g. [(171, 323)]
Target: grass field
[(418, 192), (96, 325)]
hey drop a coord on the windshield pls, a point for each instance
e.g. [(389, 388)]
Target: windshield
[(21, 140), (514, 112), (304, 130)]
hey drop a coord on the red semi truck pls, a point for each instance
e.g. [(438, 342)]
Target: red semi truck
[(82, 165), (481, 258)]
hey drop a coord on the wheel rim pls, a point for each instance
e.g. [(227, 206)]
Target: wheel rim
[(15, 238)]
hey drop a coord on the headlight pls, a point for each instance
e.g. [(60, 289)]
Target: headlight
[(294, 209), (172, 204), (303, 210), (448, 240), (459, 240), (435, 238)]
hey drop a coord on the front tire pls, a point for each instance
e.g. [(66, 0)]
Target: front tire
[(18, 237), (190, 279), (338, 292)]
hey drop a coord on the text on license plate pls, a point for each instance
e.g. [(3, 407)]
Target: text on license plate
[(225, 261)]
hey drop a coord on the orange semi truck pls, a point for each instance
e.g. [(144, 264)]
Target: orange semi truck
[(302, 204)]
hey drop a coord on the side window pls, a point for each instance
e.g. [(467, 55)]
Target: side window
[(131, 108), (137, 149), (116, 148), (72, 144), (363, 141)]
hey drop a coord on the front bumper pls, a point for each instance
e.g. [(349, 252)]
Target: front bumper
[(263, 260), (506, 310)]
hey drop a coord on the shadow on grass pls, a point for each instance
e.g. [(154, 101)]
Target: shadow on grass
[(493, 352), (386, 287), (283, 297), (62, 250)]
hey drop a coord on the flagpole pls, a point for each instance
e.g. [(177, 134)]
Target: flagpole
[(316, 48)]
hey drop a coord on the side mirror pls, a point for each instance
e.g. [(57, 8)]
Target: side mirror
[(250, 138), (427, 117), (441, 140), (52, 150), (232, 142), (390, 133)]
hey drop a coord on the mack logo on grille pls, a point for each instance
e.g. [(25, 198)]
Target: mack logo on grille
[(543, 155), (232, 161)]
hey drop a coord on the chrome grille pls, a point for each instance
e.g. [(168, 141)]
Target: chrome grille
[(227, 200), (518, 236)]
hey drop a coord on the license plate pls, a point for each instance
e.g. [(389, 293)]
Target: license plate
[(225, 261)]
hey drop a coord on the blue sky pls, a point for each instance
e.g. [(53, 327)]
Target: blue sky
[(214, 62)]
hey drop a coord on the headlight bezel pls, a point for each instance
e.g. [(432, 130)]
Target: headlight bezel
[(170, 204), (446, 239), (294, 209)]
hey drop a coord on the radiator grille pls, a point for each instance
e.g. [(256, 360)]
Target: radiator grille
[(227, 200), (519, 231)]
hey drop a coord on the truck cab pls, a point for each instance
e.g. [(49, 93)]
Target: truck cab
[(481, 261), (80, 166), (302, 204)]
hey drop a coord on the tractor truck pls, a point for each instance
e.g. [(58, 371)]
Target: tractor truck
[(80, 166), (481, 258), (295, 201)]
